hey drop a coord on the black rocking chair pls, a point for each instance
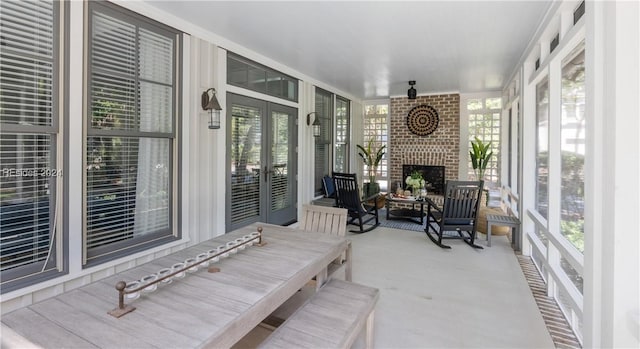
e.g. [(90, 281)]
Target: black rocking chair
[(458, 214), (348, 196)]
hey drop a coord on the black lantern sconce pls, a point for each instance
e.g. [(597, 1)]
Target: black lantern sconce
[(213, 106), (412, 93), (315, 124)]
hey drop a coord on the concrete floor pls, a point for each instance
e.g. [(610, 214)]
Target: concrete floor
[(436, 298)]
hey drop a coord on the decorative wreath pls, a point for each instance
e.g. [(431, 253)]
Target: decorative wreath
[(422, 120)]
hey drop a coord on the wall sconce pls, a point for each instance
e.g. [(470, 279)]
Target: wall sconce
[(411, 92), (213, 106), (315, 124)]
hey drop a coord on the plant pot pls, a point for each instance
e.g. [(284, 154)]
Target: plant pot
[(370, 189)]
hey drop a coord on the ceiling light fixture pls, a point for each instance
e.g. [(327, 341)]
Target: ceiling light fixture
[(412, 93)]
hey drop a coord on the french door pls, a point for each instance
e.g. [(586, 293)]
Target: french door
[(261, 171)]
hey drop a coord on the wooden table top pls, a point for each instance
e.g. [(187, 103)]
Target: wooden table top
[(201, 309)]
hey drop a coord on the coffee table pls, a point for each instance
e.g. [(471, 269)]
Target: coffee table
[(412, 214)]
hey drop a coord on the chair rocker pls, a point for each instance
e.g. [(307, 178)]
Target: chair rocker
[(458, 213), (348, 196)]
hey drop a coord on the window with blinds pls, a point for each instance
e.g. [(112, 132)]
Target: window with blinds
[(133, 97), (29, 174), (324, 111)]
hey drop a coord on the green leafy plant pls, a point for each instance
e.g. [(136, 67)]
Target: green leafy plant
[(415, 180), (480, 155), (371, 158)]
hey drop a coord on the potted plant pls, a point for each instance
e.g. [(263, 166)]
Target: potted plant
[(480, 156), (416, 182), (371, 158)]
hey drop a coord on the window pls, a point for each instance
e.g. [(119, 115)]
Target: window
[(30, 140), (324, 111), (542, 147), (573, 148), (343, 113), (484, 123), (375, 126), (130, 168), (254, 76)]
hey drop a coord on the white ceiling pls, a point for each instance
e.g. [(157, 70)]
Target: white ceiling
[(372, 49)]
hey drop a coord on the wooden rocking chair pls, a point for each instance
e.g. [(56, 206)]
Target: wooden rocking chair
[(458, 213), (348, 196)]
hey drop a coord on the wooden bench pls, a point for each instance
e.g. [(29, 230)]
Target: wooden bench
[(332, 318), (501, 220)]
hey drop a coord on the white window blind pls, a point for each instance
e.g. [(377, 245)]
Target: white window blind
[(324, 111), (130, 133), (28, 134)]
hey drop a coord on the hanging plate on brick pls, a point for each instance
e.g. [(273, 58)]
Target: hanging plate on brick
[(422, 120)]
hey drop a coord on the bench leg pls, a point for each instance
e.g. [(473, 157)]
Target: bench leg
[(348, 268), (321, 278), (489, 234), (368, 339)]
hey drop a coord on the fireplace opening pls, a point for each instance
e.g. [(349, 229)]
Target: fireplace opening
[(434, 175)]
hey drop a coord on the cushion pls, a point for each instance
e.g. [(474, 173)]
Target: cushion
[(329, 187), (482, 221)]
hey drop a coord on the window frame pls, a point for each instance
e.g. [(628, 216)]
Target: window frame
[(538, 157), (326, 124), (127, 247), (495, 115), (347, 137), (56, 263), (382, 138), (266, 71)]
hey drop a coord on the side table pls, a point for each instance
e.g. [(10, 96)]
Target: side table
[(410, 214), (509, 221)]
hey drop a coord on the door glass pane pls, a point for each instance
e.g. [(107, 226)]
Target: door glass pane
[(246, 135), (573, 149), (280, 188)]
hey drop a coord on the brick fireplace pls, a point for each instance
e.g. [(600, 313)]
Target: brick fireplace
[(441, 148)]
